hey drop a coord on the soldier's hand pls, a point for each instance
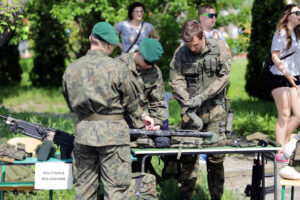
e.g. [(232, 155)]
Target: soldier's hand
[(196, 102), (197, 121), (155, 128), (148, 122)]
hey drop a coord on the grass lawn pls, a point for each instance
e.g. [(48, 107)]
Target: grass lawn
[(47, 107)]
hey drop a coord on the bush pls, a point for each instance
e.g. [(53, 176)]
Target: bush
[(265, 16), (49, 46), (9, 65)]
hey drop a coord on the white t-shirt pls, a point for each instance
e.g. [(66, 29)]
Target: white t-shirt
[(215, 33), (291, 63)]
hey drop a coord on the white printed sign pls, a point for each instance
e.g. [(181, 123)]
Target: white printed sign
[(53, 176)]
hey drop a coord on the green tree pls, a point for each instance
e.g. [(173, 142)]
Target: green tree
[(265, 17), (9, 64), (10, 13), (48, 34)]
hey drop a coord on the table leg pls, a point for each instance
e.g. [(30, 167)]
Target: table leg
[(50, 194), (263, 185), (292, 193), (275, 174), (2, 180), (283, 192), (143, 163)]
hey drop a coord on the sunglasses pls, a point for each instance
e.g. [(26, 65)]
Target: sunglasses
[(211, 15), (297, 13)]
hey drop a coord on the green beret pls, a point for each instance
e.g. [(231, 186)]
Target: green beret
[(105, 31), (150, 49)]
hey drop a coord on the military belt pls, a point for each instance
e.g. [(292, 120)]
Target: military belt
[(99, 117)]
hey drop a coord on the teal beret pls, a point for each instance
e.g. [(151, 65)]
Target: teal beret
[(105, 31), (150, 49)]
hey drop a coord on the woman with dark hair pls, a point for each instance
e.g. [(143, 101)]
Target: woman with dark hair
[(284, 75), (133, 30)]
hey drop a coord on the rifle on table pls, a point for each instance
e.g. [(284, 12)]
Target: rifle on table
[(45, 134), (163, 138), (169, 133)]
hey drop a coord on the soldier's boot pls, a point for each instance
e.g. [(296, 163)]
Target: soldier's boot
[(215, 175), (188, 177), (171, 168)]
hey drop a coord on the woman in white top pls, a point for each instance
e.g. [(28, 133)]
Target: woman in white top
[(133, 30), (284, 77)]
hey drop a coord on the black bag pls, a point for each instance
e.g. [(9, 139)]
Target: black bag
[(162, 142), (268, 62)]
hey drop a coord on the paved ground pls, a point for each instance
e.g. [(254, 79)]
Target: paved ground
[(238, 173)]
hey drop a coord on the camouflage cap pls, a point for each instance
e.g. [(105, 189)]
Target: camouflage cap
[(150, 49), (105, 31)]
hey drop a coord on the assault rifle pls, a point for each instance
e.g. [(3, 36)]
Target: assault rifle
[(255, 189), (45, 134), (169, 133)]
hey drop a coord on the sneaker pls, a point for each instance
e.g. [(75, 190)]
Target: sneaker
[(280, 158)]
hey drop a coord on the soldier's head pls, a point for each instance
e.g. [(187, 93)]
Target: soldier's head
[(207, 16), (193, 36), (150, 51), (104, 37), (136, 11)]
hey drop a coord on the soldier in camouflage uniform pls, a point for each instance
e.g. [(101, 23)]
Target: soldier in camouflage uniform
[(100, 91), (141, 63), (199, 75)]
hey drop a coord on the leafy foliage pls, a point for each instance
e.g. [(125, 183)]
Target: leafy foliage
[(265, 16), (9, 66), (49, 47), (10, 13)]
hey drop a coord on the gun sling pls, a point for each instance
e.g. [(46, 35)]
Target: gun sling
[(99, 117)]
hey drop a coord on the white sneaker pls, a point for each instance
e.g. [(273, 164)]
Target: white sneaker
[(289, 173), (289, 148)]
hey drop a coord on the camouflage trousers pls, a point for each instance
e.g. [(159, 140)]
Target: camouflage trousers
[(111, 163), (211, 116), (215, 175), (143, 187)]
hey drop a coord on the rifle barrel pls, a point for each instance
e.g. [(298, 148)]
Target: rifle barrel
[(166, 133)]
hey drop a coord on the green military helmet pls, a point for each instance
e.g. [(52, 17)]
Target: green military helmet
[(105, 31), (150, 49)]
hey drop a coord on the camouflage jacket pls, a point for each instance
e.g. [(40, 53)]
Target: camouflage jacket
[(152, 92), (95, 83), (178, 81)]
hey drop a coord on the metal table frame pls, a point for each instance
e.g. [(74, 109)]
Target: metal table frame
[(263, 151)]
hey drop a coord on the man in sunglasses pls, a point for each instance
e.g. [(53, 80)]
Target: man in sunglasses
[(208, 16)]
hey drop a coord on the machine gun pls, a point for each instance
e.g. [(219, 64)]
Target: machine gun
[(45, 134)]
